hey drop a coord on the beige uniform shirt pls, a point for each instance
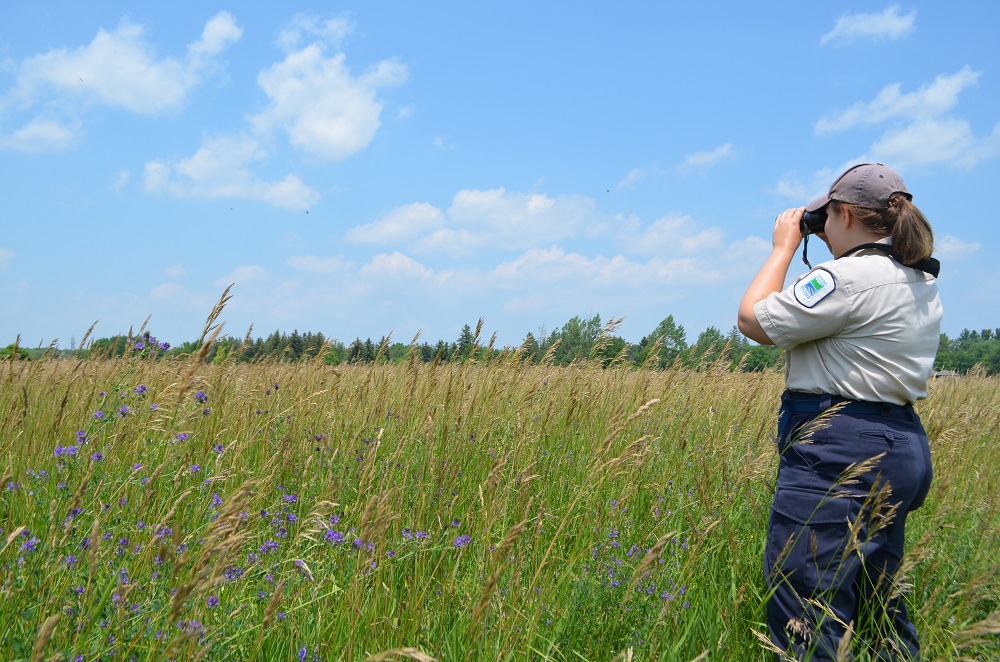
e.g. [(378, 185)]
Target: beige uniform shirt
[(862, 327)]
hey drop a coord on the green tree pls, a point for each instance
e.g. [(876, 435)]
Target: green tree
[(707, 349), (576, 339), (668, 340), (14, 352), (465, 343)]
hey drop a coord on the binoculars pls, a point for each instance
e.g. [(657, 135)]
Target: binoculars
[(813, 221)]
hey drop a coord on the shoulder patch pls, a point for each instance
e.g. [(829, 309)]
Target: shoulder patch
[(814, 287)]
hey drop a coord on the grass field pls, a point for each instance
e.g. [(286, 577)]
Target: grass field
[(157, 509)]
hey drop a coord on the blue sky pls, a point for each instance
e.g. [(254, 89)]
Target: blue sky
[(398, 167)]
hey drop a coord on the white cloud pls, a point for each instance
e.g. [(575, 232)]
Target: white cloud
[(398, 267), (401, 224), (927, 141), (483, 219), (165, 292), (243, 275), (928, 101), (42, 135), (703, 160), (953, 247), (324, 110), (920, 129), (887, 25), (318, 265), (6, 257), (634, 176), (122, 178), (175, 271), (220, 31), (221, 169), (119, 68), (330, 30), (558, 268), (673, 233)]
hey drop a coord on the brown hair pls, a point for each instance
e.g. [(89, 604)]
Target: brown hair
[(912, 236)]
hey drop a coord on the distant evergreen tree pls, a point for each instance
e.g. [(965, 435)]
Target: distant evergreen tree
[(463, 346)]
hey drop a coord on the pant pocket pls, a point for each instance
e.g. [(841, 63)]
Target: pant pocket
[(808, 541)]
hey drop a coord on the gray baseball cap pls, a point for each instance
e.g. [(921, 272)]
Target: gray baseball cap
[(867, 185)]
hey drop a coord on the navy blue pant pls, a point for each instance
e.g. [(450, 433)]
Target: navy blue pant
[(835, 537)]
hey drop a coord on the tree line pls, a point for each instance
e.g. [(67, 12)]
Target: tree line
[(579, 339)]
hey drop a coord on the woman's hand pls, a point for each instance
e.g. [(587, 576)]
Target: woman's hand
[(787, 234), (785, 239)]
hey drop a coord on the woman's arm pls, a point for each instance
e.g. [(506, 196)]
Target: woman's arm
[(771, 278)]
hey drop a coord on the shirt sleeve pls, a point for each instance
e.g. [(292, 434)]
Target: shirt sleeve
[(815, 306)]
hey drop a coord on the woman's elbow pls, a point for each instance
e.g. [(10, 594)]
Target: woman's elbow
[(748, 325)]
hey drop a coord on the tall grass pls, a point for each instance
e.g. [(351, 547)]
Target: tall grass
[(498, 510)]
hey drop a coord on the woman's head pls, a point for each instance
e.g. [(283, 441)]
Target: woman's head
[(876, 197)]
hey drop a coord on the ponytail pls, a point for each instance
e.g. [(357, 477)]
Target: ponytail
[(912, 236)]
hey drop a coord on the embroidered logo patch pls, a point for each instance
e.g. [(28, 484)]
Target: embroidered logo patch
[(814, 287)]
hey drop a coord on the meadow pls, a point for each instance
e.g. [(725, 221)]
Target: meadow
[(496, 510)]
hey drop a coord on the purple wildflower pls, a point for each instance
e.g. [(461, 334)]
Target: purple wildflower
[(333, 537), (182, 436), (201, 397), (462, 541), (195, 468), (98, 414), (140, 389), (97, 456), (212, 602), (218, 448), (123, 411), (58, 451)]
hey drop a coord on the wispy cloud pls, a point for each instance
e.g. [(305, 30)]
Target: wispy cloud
[(492, 218), (6, 257), (242, 275), (951, 246), (634, 176), (43, 135), (673, 234), (331, 30), (706, 159), (122, 178), (323, 266), (401, 224), (221, 168), (887, 25), (920, 126), (120, 69), (931, 100)]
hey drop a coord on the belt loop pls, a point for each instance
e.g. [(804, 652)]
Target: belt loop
[(825, 402)]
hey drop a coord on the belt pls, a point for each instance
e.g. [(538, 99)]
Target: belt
[(820, 402)]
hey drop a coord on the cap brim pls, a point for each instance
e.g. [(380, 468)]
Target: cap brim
[(818, 203)]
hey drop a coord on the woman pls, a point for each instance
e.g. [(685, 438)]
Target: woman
[(860, 334)]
